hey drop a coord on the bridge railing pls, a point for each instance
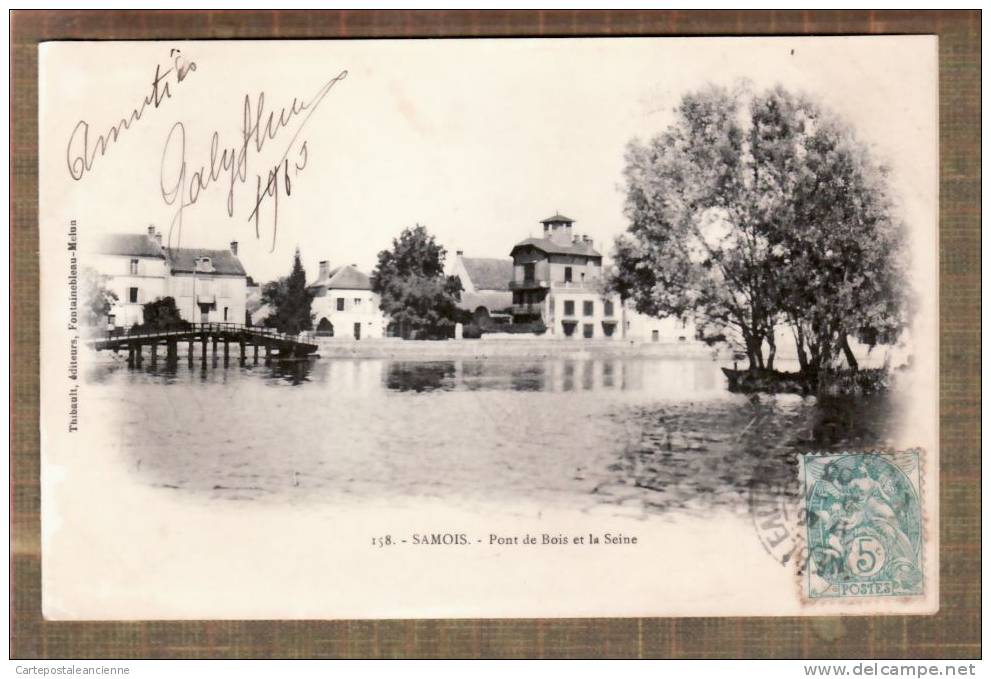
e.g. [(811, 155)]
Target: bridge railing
[(183, 329)]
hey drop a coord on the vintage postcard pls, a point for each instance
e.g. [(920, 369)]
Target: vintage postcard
[(489, 328)]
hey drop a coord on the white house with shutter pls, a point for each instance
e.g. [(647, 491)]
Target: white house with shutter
[(344, 304), (207, 285)]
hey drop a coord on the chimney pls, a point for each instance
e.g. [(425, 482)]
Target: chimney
[(460, 253), (324, 269), (234, 248)]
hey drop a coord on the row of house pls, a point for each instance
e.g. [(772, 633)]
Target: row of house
[(556, 279), (207, 285)]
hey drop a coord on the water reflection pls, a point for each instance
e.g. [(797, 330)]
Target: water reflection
[(691, 458), (663, 378), (630, 436)]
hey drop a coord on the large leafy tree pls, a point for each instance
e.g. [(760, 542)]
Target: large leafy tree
[(290, 301), (415, 293), (839, 249), (753, 210), (697, 243)]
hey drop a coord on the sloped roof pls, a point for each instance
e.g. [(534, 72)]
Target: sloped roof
[(224, 262), (344, 278), (558, 217), (489, 273), (133, 244), (552, 248), (180, 260)]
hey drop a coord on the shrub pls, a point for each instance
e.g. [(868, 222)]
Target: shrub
[(532, 327)]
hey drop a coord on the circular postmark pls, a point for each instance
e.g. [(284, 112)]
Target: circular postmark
[(776, 512)]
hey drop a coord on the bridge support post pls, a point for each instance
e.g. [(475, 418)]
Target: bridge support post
[(203, 348), (215, 347), (130, 355), (268, 354), (172, 350), (227, 353), (154, 353), (241, 343), (189, 356), (139, 352), (256, 354)]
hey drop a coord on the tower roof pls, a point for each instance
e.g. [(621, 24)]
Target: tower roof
[(558, 217)]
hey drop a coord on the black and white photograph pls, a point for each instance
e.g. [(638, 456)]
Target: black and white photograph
[(489, 328)]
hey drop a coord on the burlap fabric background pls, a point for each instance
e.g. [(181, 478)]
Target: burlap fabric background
[(953, 633)]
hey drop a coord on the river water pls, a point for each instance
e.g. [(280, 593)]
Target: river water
[(633, 437)]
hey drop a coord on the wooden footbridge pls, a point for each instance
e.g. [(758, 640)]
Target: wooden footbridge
[(209, 336)]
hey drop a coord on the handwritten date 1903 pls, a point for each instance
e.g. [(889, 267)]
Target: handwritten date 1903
[(182, 185)]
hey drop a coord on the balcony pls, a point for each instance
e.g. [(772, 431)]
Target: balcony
[(528, 284), (589, 285), (529, 309)]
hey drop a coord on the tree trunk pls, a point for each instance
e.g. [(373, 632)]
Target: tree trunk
[(771, 351), (803, 357), (754, 353), (848, 352)]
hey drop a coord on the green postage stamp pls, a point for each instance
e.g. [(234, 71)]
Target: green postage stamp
[(864, 526)]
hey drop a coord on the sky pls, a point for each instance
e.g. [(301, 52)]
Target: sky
[(478, 140)]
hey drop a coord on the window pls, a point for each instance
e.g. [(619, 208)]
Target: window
[(588, 330), (134, 267), (569, 307), (588, 308), (225, 313), (607, 309), (529, 272), (655, 335), (357, 302), (567, 274), (132, 295), (340, 304), (608, 328), (568, 327)]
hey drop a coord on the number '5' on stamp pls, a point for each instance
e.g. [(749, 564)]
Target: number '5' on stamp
[(864, 526)]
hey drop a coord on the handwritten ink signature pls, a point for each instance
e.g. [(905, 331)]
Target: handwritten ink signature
[(182, 187), (79, 155)]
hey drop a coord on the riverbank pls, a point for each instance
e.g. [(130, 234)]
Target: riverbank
[(522, 348), (513, 347)]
